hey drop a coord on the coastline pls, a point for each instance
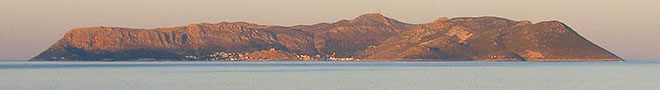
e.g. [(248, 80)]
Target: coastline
[(358, 60)]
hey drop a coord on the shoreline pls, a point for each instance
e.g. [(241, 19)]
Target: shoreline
[(358, 60)]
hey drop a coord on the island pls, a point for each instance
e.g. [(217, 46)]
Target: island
[(369, 37)]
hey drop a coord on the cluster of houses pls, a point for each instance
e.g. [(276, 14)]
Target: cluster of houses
[(225, 56), (217, 56)]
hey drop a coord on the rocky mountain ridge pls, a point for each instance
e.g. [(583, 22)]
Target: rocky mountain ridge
[(369, 37)]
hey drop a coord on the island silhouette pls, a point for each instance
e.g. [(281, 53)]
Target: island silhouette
[(369, 37)]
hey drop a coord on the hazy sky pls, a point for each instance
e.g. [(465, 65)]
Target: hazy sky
[(629, 28)]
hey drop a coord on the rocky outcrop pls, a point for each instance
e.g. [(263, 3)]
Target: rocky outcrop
[(368, 37)]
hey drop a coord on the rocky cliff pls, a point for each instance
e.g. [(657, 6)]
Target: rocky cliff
[(367, 37)]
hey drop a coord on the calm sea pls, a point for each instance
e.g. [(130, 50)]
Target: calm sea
[(629, 75)]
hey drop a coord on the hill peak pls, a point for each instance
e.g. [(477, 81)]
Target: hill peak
[(371, 19), (371, 16)]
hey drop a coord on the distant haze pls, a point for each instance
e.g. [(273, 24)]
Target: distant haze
[(628, 28)]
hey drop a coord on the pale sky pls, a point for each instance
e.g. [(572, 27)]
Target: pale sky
[(628, 28)]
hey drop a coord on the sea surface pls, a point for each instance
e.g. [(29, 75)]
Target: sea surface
[(628, 75)]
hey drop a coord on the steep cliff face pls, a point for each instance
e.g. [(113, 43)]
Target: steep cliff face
[(112, 43), (367, 37)]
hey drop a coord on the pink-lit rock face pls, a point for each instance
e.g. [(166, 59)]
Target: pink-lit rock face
[(368, 37)]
